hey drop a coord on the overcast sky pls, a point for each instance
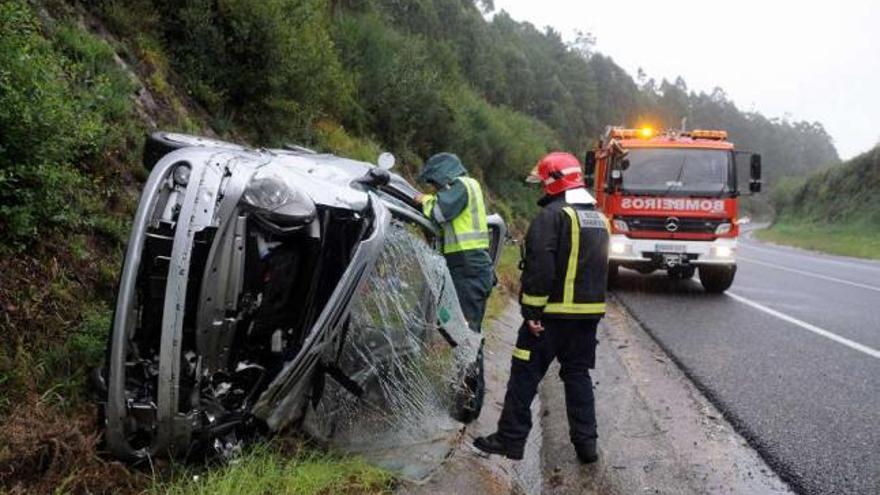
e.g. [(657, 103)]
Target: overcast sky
[(808, 60)]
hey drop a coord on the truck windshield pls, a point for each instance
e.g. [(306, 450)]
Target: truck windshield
[(678, 172)]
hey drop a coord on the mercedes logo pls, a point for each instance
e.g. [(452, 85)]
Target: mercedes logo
[(672, 224)]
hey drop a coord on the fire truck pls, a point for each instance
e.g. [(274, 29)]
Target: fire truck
[(672, 201)]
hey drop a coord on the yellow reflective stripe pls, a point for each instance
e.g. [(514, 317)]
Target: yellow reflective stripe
[(534, 300), (575, 308), (522, 354), (571, 272)]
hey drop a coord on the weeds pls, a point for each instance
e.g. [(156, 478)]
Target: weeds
[(274, 468)]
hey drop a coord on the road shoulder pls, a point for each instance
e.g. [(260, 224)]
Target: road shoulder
[(658, 433), (469, 471)]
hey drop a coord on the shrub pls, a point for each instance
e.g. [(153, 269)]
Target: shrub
[(61, 106), (270, 63)]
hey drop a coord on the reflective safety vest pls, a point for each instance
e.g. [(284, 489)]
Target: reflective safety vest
[(470, 229), (566, 263)]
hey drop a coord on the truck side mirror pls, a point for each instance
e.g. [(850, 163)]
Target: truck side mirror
[(589, 168), (590, 163), (616, 179), (755, 174)]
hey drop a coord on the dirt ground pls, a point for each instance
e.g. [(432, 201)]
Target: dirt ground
[(657, 433)]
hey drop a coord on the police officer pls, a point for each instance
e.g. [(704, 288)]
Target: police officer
[(562, 299), (459, 207)]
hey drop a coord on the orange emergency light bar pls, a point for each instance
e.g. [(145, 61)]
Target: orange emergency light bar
[(620, 133), (648, 133), (703, 134)]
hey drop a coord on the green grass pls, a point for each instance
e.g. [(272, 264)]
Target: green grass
[(270, 469), (508, 282), (844, 239)]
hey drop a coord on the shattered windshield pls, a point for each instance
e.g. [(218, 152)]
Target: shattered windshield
[(678, 172), (399, 373)]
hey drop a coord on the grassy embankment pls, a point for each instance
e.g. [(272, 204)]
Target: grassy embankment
[(508, 282), (844, 240), (275, 469), (836, 210)]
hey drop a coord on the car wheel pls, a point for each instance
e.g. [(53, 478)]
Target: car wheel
[(469, 400), (159, 144)]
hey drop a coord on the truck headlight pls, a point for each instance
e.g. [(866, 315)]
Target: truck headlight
[(723, 252), (277, 204), (618, 247), (722, 229), (620, 225)]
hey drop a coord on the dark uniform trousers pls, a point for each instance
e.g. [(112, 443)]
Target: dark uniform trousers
[(473, 275), (571, 341)]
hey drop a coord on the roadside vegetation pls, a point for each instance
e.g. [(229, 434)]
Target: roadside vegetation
[(81, 82), (836, 210), (278, 468), (507, 287)]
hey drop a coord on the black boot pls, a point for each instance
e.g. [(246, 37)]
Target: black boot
[(494, 444), (587, 452)]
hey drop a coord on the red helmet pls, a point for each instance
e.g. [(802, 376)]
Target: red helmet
[(558, 172)]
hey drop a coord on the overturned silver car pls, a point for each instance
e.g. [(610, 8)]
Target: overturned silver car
[(269, 290)]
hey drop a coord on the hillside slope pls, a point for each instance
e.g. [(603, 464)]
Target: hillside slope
[(835, 210)]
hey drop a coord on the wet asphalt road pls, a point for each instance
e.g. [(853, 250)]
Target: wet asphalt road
[(791, 355)]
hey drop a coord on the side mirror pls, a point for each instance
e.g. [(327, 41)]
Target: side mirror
[(589, 168), (375, 177), (616, 179), (386, 161), (590, 163), (755, 173)]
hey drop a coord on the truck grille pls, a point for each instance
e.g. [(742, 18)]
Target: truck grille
[(685, 225)]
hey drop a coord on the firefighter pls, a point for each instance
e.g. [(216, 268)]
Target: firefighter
[(562, 299), (457, 204)]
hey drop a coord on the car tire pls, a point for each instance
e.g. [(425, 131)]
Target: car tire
[(159, 144), (469, 400), (717, 279)]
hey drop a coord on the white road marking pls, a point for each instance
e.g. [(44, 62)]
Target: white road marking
[(811, 274), (807, 326), (812, 256)]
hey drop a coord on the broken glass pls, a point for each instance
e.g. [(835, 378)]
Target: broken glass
[(391, 390)]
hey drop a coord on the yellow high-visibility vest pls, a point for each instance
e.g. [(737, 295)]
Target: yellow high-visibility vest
[(468, 230)]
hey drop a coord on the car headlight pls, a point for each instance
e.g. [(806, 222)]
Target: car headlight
[(722, 229), (279, 205), (620, 225), (181, 174), (618, 247)]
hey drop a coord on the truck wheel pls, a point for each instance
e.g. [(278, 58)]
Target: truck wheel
[(159, 144), (717, 279), (613, 271)]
